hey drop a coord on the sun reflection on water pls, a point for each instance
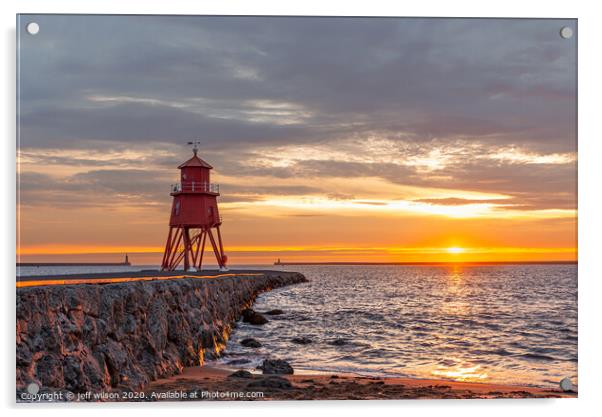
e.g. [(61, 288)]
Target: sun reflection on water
[(461, 373), (454, 304), (455, 274), (455, 322)]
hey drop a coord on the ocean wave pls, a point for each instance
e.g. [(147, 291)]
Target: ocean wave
[(401, 319)]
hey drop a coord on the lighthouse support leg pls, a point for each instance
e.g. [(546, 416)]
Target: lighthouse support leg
[(171, 249), (187, 249), (174, 258), (221, 246), (204, 233), (167, 252), (181, 247), (218, 255), (221, 250), (196, 245)]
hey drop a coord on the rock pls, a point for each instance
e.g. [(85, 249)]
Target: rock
[(246, 314), (301, 340), (75, 379), (124, 335), (274, 312), (276, 366), (49, 371), (272, 382), (241, 374), (250, 342), (258, 320), (252, 317), (24, 356), (338, 342)]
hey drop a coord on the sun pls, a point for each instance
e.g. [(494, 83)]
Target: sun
[(455, 249)]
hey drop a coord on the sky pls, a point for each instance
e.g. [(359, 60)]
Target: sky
[(332, 139)]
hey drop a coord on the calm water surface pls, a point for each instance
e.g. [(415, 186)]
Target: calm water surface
[(508, 324)]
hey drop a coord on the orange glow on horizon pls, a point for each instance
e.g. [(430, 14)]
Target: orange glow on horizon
[(269, 253), (368, 220), (455, 249)]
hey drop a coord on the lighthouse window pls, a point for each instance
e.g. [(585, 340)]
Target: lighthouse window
[(177, 208)]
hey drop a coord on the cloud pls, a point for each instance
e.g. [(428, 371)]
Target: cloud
[(454, 201), (95, 188), (475, 104), (433, 76)]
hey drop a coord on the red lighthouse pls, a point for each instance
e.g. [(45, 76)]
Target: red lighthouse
[(193, 216)]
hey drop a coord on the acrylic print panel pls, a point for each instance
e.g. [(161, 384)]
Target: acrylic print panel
[(284, 208)]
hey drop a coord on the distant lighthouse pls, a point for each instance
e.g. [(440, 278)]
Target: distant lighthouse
[(194, 215)]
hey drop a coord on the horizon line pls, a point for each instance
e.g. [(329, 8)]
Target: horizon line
[(408, 263), (554, 262)]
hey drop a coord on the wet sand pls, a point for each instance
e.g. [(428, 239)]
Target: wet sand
[(210, 383)]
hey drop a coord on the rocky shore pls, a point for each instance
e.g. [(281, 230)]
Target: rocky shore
[(113, 337)]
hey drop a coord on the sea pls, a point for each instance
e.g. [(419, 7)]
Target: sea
[(508, 324)]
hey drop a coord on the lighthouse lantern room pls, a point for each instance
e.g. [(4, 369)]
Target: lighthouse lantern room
[(194, 218)]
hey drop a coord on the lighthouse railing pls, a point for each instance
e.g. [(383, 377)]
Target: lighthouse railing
[(195, 186)]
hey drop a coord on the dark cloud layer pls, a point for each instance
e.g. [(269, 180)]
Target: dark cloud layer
[(244, 84)]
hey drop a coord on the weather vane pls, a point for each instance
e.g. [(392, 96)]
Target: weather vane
[(195, 145)]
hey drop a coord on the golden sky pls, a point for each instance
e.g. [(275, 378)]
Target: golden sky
[(336, 140), (378, 221)]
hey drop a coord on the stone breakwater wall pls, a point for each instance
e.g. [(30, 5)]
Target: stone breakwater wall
[(122, 336)]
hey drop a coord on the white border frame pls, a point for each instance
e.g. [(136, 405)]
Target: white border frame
[(590, 210)]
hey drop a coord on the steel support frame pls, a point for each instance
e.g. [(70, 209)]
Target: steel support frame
[(187, 245)]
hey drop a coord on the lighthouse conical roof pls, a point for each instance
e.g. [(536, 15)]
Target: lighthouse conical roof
[(195, 161)]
